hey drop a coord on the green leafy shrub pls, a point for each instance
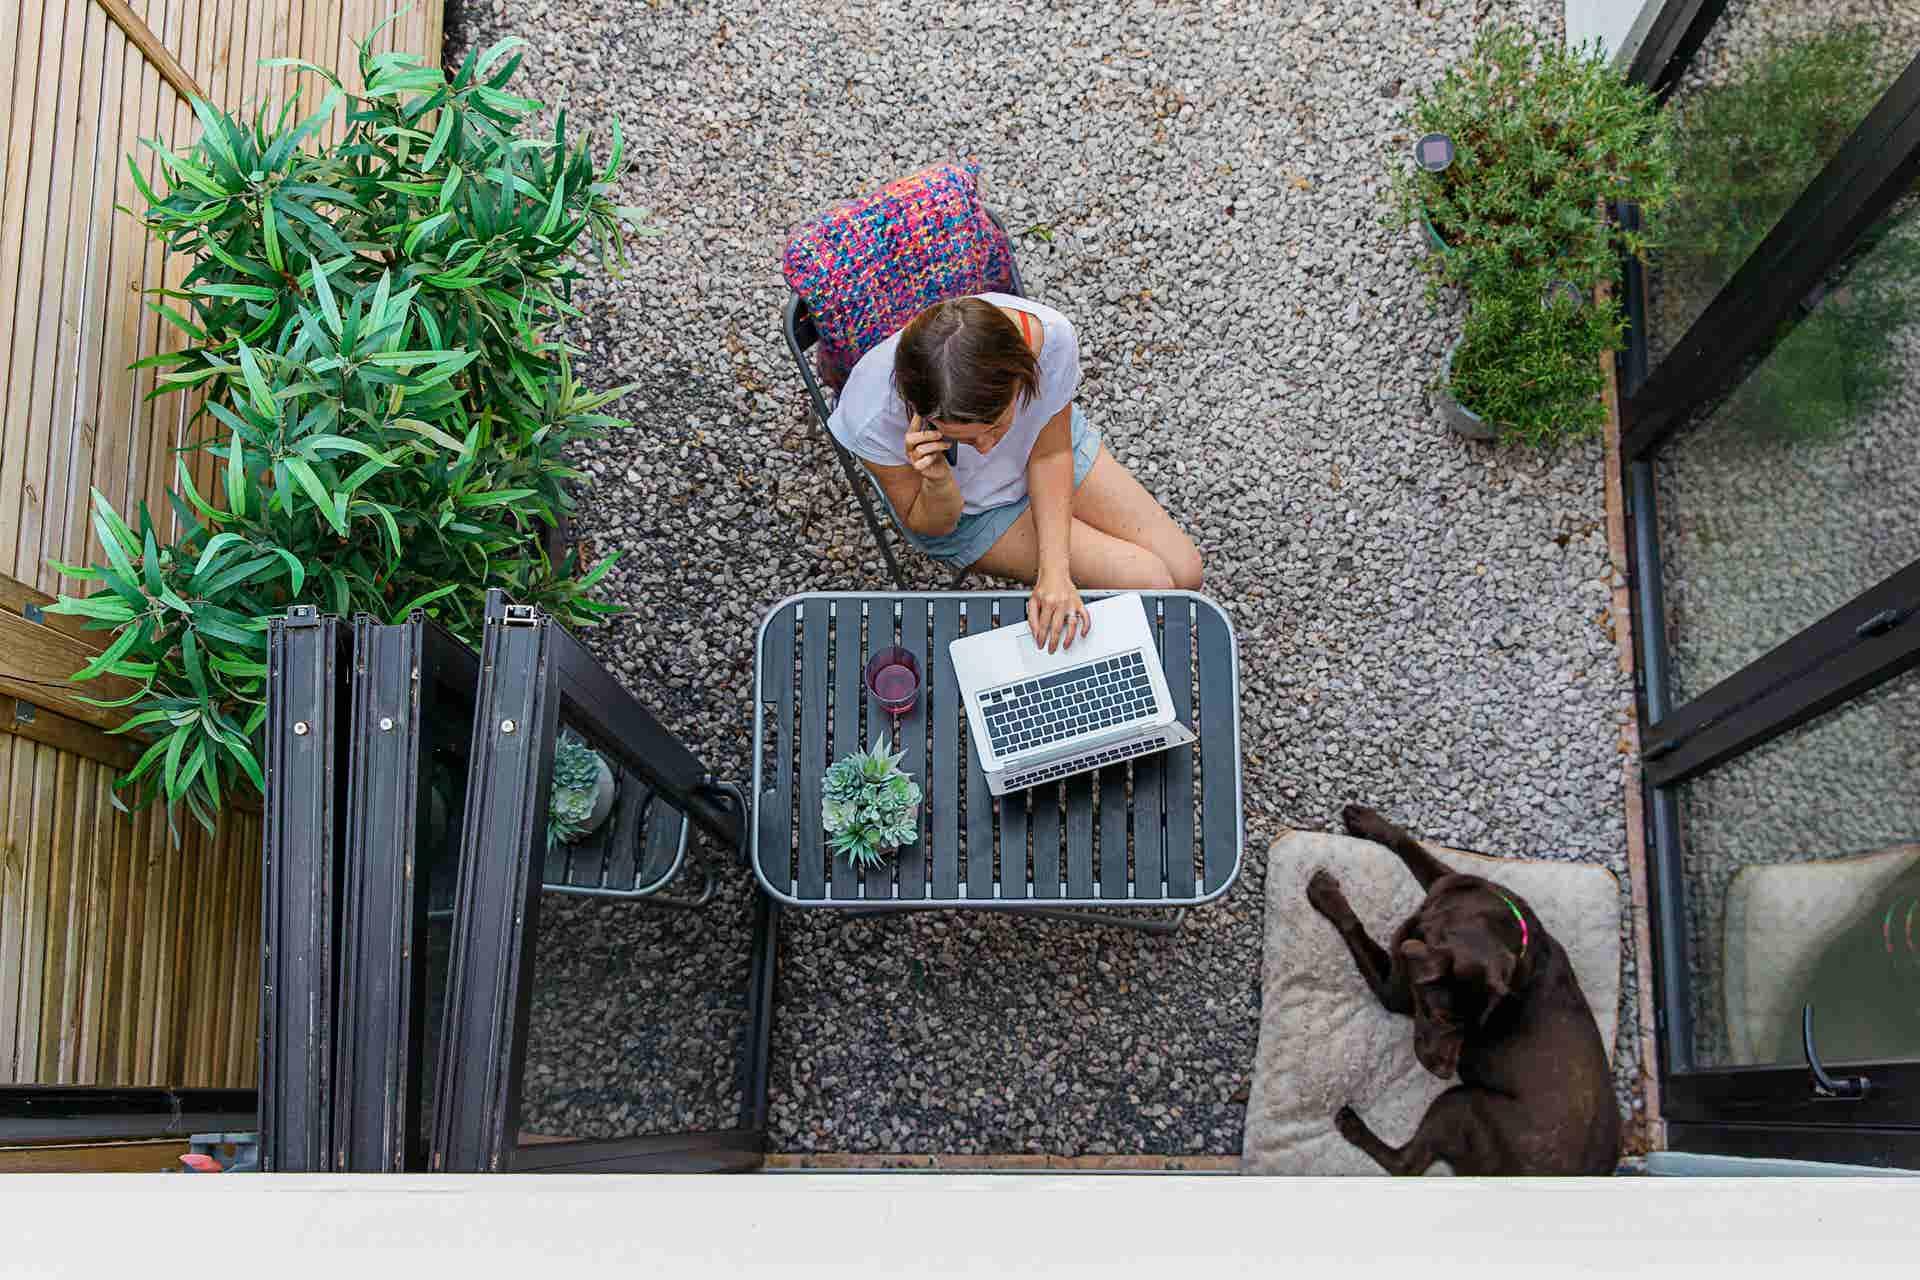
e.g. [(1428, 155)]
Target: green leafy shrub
[(868, 805), (1746, 150), (1544, 138), (369, 324), (576, 780), (1533, 367)]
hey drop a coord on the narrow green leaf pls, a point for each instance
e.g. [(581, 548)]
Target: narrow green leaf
[(236, 476), (147, 759), (263, 401), (110, 655), (176, 744), (441, 134), (323, 291), (236, 574), (248, 292), (212, 549), (422, 600), (303, 472), (103, 605), (190, 658), (243, 755), (270, 232)]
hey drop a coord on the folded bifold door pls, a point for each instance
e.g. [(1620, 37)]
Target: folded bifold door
[(306, 670), (412, 714)]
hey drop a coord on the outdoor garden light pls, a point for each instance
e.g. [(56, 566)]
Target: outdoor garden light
[(1561, 291), (1433, 152)]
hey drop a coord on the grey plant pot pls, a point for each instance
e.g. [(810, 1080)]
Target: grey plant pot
[(604, 791), (1457, 418)]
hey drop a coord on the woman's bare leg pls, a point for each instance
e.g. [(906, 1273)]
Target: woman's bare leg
[(1118, 505), (1120, 539), (1099, 561)]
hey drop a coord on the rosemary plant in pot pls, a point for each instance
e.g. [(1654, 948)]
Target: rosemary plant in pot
[(1544, 139), (869, 806)]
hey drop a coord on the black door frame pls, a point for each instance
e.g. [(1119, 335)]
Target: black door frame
[(1869, 640), (534, 675)]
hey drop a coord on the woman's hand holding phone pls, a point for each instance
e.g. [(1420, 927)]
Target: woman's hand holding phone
[(928, 451)]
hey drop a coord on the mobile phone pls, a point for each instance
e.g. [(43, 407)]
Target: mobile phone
[(953, 453)]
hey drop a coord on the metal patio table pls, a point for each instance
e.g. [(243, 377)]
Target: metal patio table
[(1163, 831)]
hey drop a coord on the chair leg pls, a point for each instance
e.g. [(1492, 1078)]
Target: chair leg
[(857, 483)]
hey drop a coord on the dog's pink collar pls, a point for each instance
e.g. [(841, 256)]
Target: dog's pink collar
[(1517, 916)]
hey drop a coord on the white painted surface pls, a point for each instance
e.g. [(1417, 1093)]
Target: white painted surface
[(924, 1226), (1619, 24)]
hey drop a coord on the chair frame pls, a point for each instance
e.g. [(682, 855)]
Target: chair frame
[(802, 335)]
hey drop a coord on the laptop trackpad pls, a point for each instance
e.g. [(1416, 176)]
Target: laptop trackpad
[(1037, 661)]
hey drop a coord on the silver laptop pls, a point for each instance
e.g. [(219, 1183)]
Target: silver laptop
[(1037, 716)]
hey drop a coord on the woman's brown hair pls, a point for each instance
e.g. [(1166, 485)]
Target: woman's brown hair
[(963, 361)]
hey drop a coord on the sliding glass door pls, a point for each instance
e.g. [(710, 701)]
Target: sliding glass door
[(1771, 444)]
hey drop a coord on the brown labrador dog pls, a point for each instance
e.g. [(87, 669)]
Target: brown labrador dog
[(1494, 1001)]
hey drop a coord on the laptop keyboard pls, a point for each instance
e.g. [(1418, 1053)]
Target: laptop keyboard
[(1068, 704)]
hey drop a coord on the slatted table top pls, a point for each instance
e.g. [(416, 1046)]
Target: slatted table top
[(1165, 830)]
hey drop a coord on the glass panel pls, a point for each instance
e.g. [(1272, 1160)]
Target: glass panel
[(1768, 100), (1802, 869), (638, 1023), (449, 715), (1797, 494)]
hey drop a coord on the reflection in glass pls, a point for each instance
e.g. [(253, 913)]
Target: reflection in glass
[(638, 1023), (1802, 870), (449, 715), (1771, 96), (1797, 494)]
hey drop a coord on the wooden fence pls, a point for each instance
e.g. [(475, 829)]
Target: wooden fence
[(126, 957)]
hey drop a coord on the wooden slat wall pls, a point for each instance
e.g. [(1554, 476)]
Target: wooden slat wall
[(125, 957)]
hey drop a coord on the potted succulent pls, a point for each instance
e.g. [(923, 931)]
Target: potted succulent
[(1539, 139), (869, 806), (583, 792)]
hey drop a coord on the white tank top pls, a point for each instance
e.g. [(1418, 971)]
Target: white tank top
[(870, 419)]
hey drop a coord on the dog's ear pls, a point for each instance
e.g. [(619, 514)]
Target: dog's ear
[(1492, 971), (1424, 963)]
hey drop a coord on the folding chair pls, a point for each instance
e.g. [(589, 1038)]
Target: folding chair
[(801, 336)]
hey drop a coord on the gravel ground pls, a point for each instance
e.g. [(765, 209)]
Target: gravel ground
[(1421, 620)]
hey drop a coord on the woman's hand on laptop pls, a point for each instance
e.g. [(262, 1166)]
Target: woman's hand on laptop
[(1055, 613)]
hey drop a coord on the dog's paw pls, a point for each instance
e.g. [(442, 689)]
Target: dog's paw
[(1350, 1125), (1326, 896), (1368, 825)]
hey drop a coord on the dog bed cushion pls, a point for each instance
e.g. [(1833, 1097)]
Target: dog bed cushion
[(1780, 921), (866, 267), (1325, 1040)]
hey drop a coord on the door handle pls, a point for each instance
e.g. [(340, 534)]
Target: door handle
[(1840, 1088)]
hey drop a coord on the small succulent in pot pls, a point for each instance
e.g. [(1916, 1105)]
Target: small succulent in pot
[(869, 807), (583, 790)]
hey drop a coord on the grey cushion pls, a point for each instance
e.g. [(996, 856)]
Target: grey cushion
[(1325, 1040), (1780, 920)]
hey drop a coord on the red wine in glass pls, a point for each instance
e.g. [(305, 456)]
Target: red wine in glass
[(893, 677)]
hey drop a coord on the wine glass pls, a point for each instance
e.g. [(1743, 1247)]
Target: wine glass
[(893, 677)]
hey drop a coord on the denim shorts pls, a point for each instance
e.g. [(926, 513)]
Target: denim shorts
[(976, 533)]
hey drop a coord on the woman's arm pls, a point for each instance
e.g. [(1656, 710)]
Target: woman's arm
[(1050, 490), (1054, 612), (924, 492)]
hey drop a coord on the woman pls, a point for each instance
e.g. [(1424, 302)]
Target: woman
[(1029, 493)]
